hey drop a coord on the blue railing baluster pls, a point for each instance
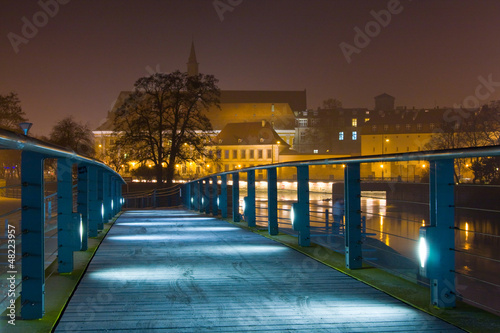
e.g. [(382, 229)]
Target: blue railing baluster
[(272, 201), (236, 197), (303, 205), (352, 204), (250, 204), (32, 225), (223, 196), (64, 215)]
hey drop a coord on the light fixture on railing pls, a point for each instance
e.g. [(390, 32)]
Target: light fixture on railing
[(25, 127)]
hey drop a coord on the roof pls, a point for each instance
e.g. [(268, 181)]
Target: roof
[(240, 106), (384, 95), (297, 99), (251, 133)]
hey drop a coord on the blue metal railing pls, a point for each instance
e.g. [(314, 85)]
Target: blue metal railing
[(52, 219), (366, 234)]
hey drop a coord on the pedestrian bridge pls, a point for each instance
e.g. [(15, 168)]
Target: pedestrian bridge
[(232, 257), (179, 271)]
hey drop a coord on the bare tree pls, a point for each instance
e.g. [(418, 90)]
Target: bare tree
[(332, 103), (163, 121), (478, 128), (11, 113), (73, 135)]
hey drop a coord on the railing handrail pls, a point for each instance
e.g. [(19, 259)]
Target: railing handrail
[(12, 140)]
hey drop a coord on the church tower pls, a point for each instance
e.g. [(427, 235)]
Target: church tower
[(192, 64)]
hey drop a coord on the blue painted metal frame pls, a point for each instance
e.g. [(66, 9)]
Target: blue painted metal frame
[(302, 206), (441, 193), (33, 154), (442, 211), (223, 196), (83, 202), (214, 196), (66, 229), (236, 197), (250, 199), (352, 208), (272, 200), (33, 236)]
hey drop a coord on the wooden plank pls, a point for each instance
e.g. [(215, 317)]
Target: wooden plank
[(175, 271)]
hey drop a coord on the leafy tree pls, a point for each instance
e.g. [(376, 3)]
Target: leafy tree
[(72, 135), (164, 121), (11, 113)]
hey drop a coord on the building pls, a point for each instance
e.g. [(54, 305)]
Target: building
[(330, 131), (241, 145), (399, 130), (236, 106)]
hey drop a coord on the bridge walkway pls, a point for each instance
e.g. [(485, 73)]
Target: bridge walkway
[(179, 271)]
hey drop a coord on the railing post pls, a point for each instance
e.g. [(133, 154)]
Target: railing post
[(213, 197), (352, 202), (112, 195), (208, 196), (201, 201), (65, 229), (442, 217), (106, 196), (94, 203), (236, 197), (223, 196), (83, 202), (33, 236), (303, 205), (100, 197), (272, 201), (118, 195), (190, 194), (250, 204)]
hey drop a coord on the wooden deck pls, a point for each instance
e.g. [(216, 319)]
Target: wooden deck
[(176, 271)]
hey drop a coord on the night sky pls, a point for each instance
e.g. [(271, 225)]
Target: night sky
[(431, 53)]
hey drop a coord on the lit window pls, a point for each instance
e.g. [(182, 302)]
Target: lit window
[(243, 154), (386, 127), (341, 136), (302, 122), (259, 153), (354, 122), (226, 154), (315, 151), (252, 154), (354, 135), (235, 154), (419, 127), (269, 153), (408, 127), (374, 128), (398, 127), (367, 120), (432, 126)]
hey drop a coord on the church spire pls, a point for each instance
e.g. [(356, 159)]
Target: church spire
[(192, 64)]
